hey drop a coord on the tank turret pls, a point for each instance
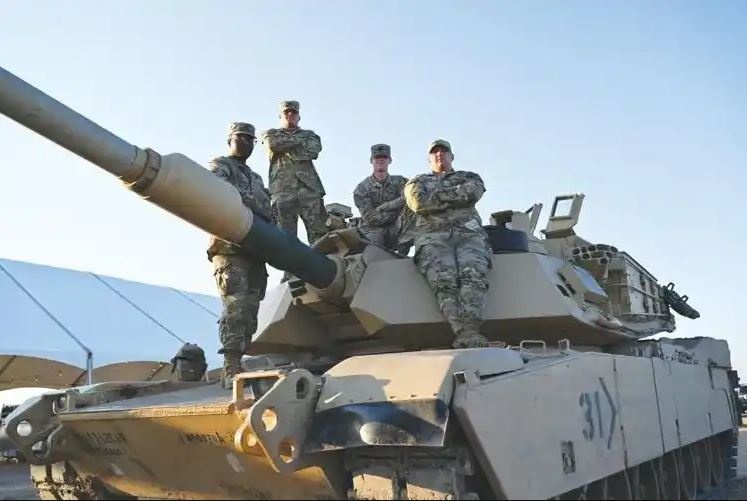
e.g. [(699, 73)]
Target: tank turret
[(557, 287)]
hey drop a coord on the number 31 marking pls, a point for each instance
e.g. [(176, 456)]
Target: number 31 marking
[(592, 409)]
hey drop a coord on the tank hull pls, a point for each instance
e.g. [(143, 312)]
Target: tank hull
[(512, 426), (175, 445), (191, 458)]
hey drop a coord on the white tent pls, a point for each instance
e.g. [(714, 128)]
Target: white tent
[(57, 323)]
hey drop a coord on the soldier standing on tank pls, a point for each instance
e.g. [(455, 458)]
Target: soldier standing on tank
[(380, 200), (241, 279), (294, 184), (451, 246)]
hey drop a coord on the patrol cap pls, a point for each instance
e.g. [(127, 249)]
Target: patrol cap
[(189, 351), (290, 105), (440, 142), (381, 150), (189, 363), (241, 128)]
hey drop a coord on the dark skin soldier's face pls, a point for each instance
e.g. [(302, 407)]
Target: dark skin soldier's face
[(241, 145)]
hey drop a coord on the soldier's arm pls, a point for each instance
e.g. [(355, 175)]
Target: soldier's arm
[(387, 212), (220, 168), (397, 204), (392, 205), (260, 204), (467, 193), (392, 208), (278, 144), (363, 202), (310, 146), (420, 200)]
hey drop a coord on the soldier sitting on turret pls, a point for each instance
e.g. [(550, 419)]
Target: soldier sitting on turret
[(381, 203), (451, 246), (241, 279)]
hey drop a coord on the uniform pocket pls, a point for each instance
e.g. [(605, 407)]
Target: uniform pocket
[(309, 180), (228, 280)]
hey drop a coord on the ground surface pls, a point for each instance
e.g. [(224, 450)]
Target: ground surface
[(14, 478), (14, 482)]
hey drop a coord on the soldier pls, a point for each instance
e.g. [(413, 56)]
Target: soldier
[(189, 363), (241, 279), (451, 246), (380, 200), (295, 186)]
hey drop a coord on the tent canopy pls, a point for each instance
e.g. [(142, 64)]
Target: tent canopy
[(63, 315)]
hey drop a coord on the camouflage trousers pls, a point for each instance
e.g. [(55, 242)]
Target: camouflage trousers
[(456, 266), (241, 282), (385, 236), (397, 236), (306, 204)]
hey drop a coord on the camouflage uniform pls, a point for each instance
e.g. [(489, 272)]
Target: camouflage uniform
[(241, 280), (382, 205), (451, 247), (295, 186)]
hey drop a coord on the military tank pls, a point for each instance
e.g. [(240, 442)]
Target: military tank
[(354, 392)]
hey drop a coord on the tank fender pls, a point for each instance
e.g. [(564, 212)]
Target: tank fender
[(34, 429), (277, 421), (400, 399)]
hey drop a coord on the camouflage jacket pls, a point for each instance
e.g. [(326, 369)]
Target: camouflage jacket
[(291, 152), (380, 202), (444, 204), (253, 194)]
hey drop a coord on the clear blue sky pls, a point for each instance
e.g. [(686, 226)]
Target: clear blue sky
[(639, 105)]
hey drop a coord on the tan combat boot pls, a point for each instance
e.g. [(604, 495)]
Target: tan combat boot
[(231, 367), (470, 340)]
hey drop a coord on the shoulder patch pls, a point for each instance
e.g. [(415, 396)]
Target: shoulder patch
[(469, 174), (215, 162), (419, 177)]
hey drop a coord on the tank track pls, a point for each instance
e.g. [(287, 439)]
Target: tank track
[(412, 473), (702, 470), (61, 481)]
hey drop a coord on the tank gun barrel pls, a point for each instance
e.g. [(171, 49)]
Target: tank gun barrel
[(39, 112), (173, 181)]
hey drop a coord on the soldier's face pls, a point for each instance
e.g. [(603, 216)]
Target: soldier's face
[(186, 370), (381, 164), (241, 145), (289, 118), (440, 159)]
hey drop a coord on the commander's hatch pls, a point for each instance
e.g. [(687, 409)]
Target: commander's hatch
[(515, 220), (564, 216), (533, 213)]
